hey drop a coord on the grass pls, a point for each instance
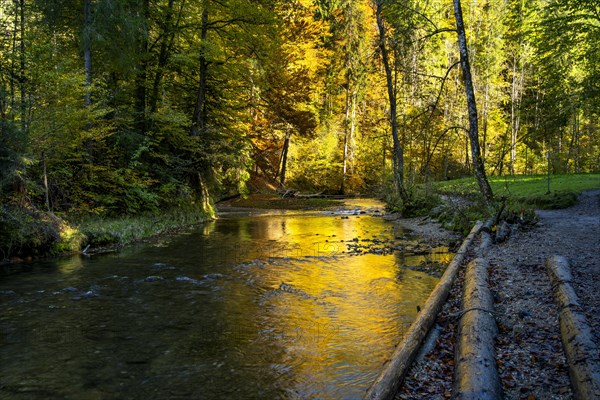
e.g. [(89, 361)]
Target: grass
[(528, 189), (111, 232), (517, 196), (27, 233)]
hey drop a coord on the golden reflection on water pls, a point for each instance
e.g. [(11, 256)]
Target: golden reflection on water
[(335, 317), (248, 307)]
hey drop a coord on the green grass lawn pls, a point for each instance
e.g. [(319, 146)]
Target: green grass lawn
[(529, 189)]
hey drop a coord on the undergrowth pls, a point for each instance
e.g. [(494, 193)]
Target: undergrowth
[(516, 199), (29, 233), (110, 232), (25, 233)]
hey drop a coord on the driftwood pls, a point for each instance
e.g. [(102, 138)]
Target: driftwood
[(309, 196), (387, 383), (577, 339), (287, 192), (476, 376)]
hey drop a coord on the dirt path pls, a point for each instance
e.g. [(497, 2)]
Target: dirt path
[(575, 233), (530, 355), (529, 352)]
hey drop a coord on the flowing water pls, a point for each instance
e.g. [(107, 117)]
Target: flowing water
[(259, 306)]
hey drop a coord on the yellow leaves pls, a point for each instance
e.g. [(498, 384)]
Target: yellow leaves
[(302, 35)]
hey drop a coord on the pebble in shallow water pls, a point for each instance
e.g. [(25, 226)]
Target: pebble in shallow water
[(153, 278), (187, 279), (85, 295), (162, 267)]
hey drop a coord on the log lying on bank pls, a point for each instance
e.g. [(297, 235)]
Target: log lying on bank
[(502, 231), (577, 339), (476, 376), (387, 383)]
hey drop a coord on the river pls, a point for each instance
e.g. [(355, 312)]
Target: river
[(262, 305)]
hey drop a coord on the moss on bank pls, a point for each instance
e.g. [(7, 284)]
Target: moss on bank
[(110, 232), (26, 233)]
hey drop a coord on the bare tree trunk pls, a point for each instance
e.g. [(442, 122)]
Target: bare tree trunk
[(13, 73), (199, 118), (398, 152), (142, 73), (284, 155), (486, 102), (87, 50), (515, 108), (45, 179), (348, 133), (87, 67), (477, 161), (22, 74), (572, 153), (164, 53)]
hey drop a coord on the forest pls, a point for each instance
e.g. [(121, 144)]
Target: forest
[(124, 107)]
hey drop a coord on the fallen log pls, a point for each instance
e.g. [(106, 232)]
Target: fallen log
[(487, 226), (502, 231), (389, 380), (484, 242), (309, 195), (576, 335), (476, 376)]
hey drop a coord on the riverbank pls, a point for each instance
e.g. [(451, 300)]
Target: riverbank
[(530, 358), (27, 235)]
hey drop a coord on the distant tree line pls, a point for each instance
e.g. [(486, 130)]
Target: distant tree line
[(131, 106)]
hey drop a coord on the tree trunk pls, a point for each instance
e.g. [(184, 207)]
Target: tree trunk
[(398, 152), (87, 66), (576, 334), (45, 180), (515, 108), (13, 71), (142, 73), (486, 101), (284, 155), (199, 118), (476, 159), (166, 47), (349, 126), (22, 73), (476, 375), (87, 50)]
